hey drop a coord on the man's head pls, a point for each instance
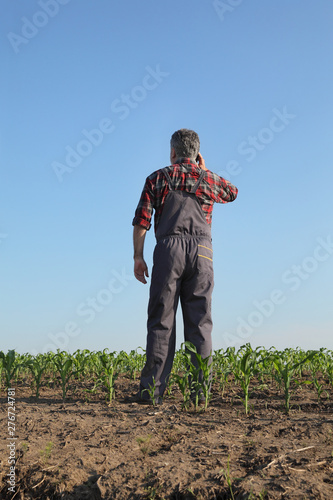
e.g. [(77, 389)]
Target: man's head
[(184, 144)]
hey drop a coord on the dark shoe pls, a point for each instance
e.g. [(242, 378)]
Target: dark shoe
[(143, 401), (137, 399)]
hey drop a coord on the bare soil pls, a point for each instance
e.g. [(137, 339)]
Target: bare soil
[(79, 449)]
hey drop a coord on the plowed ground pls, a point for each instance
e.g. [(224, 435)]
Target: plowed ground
[(86, 449)]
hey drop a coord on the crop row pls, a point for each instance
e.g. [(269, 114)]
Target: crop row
[(192, 374)]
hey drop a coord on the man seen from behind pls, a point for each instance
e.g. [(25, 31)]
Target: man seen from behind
[(182, 196)]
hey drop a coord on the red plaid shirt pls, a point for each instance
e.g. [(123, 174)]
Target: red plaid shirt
[(212, 189)]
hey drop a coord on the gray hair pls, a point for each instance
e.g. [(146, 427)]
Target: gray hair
[(186, 143)]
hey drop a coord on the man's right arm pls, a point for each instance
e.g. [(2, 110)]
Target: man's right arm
[(142, 223), (224, 191), (140, 266)]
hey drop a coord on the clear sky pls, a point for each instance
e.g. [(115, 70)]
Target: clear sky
[(91, 92)]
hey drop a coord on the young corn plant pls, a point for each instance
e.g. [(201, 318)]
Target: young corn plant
[(9, 365), (328, 366), (64, 365), (244, 370), (199, 374), (222, 369), (109, 372), (80, 361), (122, 361), (265, 367), (21, 371), (37, 367), (285, 371), (94, 364), (133, 362), (140, 360), (1, 370), (316, 370), (177, 377), (170, 382), (151, 392), (182, 381)]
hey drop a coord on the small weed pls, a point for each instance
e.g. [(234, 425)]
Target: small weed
[(46, 453), (144, 443), (152, 492), (25, 447), (191, 492), (261, 495), (249, 443), (228, 478)]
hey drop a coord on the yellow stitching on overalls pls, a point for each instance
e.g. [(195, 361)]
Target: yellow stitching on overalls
[(205, 257), (203, 246)]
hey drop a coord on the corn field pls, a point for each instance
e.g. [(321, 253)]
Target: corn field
[(96, 373)]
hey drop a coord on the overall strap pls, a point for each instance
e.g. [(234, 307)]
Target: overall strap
[(168, 178), (196, 185)]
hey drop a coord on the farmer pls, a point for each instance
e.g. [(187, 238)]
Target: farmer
[(182, 195)]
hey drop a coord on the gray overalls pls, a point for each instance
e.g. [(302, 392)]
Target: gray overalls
[(182, 268)]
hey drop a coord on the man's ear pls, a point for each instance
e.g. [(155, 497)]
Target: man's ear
[(173, 156)]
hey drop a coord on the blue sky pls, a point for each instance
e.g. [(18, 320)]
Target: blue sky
[(90, 95)]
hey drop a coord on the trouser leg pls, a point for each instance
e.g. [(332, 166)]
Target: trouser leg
[(161, 324), (197, 318), (196, 298)]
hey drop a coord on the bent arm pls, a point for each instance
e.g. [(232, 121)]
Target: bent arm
[(223, 190), (227, 192), (140, 266), (230, 191)]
